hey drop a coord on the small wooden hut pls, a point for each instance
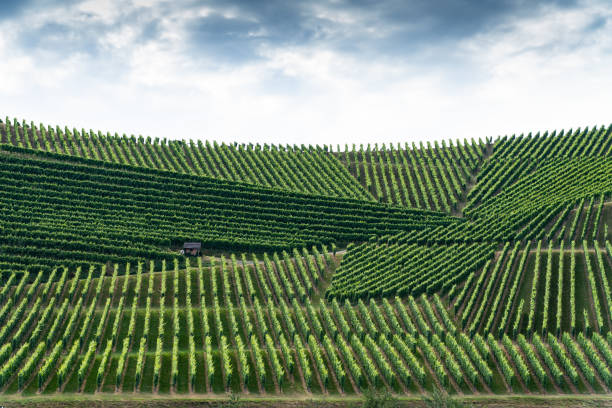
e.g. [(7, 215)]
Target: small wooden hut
[(192, 248)]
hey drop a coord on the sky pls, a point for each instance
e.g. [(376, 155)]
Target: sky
[(330, 72)]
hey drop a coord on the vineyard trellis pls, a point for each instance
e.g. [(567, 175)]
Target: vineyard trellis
[(481, 266)]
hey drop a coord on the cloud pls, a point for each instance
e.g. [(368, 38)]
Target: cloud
[(237, 31), (57, 38), (227, 39), (12, 8), (330, 72)]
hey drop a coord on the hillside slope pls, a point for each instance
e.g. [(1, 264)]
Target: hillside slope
[(60, 209), (306, 169), (325, 274)]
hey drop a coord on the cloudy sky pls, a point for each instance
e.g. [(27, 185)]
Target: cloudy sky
[(314, 72)]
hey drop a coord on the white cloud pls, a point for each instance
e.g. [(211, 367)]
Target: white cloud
[(106, 11), (542, 72), (119, 39)]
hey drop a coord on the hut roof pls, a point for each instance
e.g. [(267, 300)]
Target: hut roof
[(192, 245)]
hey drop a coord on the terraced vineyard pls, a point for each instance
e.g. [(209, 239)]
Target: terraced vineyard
[(480, 268)]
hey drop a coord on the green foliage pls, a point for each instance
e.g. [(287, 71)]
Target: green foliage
[(440, 399), (413, 269), (374, 398), (291, 317), (119, 214)]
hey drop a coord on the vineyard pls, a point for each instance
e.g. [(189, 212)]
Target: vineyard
[(479, 268)]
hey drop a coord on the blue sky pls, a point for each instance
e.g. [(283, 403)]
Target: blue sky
[(315, 72)]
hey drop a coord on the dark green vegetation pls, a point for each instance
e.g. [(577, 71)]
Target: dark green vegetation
[(80, 211), (480, 268)]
